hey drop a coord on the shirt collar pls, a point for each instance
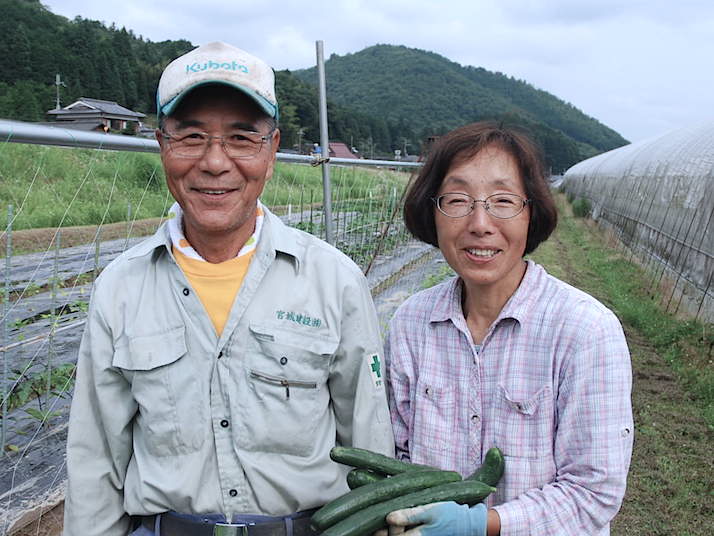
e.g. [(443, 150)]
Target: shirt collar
[(448, 305), (273, 236)]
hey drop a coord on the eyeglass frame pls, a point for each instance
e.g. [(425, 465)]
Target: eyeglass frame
[(263, 139), (474, 202)]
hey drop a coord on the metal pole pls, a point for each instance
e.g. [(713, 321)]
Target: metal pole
[(5, 335), (325, 142), (53, 326), (128, 224)]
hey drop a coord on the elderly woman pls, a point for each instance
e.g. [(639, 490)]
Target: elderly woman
[(505, 354)]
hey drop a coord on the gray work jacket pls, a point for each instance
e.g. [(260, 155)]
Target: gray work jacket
[(166, 415)]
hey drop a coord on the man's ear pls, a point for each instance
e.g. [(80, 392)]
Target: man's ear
[(159, 137), (276, 140)]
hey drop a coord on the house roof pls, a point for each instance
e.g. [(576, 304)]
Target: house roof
[(86, 104), (340, 150)]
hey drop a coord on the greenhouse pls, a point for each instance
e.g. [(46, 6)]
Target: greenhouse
[(657, 197)]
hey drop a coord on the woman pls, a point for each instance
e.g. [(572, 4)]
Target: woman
[(504, 354)]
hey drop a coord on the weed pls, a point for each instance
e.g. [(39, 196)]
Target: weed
[(581, 208), (444, 272), (61, 380)]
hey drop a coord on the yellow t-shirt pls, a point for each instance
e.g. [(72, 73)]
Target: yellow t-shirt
[(216, 284)]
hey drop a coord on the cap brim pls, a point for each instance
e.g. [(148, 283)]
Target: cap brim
[(270, 109)]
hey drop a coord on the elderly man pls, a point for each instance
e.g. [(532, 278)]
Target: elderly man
[(224, 356)]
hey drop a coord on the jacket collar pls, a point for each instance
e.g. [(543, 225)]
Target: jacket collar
[(275, 236)]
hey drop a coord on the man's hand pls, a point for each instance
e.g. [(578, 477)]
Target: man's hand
[(438, 519)]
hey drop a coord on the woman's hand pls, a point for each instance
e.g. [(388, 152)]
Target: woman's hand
[(438, 519)]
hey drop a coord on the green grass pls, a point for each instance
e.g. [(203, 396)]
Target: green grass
[(56, 186)]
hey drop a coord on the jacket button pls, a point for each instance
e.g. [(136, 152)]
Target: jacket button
[(220, 355), (185, 292), (283, 360), (224, 423), (233, 492)]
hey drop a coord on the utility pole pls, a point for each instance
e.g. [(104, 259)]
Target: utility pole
[(58, 83)]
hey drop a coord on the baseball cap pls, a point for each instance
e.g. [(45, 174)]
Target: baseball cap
[(217, 63)]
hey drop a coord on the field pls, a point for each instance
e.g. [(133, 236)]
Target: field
[(51, 187), (671, 482)]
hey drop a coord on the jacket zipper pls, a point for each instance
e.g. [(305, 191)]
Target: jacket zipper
[(283, 382)]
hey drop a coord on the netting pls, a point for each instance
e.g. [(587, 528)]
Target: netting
[(657, 197)]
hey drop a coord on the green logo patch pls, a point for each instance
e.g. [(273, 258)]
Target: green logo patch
[(299, 318), (375, 368)]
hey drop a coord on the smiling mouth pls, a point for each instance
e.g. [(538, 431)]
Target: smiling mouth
[(483, 253), (212, 192)]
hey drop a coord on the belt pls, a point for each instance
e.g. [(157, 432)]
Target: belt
[(174, 524)]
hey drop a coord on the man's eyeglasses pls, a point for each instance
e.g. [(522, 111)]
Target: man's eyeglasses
[(237, 144), (501, 206)]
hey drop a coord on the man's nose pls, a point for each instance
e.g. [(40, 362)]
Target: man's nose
[(215, 160)]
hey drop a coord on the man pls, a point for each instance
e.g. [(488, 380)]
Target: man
[(224, 356)]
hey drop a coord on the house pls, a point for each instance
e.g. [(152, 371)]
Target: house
[(340, 150), (96, 114)]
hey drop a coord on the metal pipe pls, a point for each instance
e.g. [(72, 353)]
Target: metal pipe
[(20, 132), (325, 143)]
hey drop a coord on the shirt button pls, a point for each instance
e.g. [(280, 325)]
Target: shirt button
[(233, 492), (283, 360), (474, 418), (224, 423), (220, 355), (185, 292)]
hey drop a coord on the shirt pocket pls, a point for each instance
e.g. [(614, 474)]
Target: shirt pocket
[(288, 402), (434, 428), (524, 423), (164, 383)]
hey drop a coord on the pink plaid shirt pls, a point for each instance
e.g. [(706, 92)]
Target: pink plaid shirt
[(550, 387)]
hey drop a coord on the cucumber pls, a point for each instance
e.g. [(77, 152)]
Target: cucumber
[(376, 492), (372, 518), (360, 477), (379, 463), (492, 468)]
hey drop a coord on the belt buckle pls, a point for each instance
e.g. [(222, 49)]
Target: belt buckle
[(231, 529)]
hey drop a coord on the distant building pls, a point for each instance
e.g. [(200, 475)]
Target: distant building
[(340, 150), (94, 114)]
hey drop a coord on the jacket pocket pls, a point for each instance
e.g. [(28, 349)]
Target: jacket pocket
[(288, 402), (165, 385)]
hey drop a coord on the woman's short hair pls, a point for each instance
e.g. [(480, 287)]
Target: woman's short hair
[(464, 143)]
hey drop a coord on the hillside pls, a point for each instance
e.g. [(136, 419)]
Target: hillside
[(380, 99), (93, 60), (426, 91)]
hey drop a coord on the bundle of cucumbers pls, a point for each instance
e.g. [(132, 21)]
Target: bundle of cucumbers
[(380, 485)]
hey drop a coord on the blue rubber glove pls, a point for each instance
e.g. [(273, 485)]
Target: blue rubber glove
[(441, 519)]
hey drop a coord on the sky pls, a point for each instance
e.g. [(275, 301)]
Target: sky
[(641, 67)]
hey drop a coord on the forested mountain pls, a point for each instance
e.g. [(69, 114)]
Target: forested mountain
[(93, 61), (381, 99), (427, 93)]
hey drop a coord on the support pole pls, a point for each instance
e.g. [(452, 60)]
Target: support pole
[(5, 334), (325, 143)]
